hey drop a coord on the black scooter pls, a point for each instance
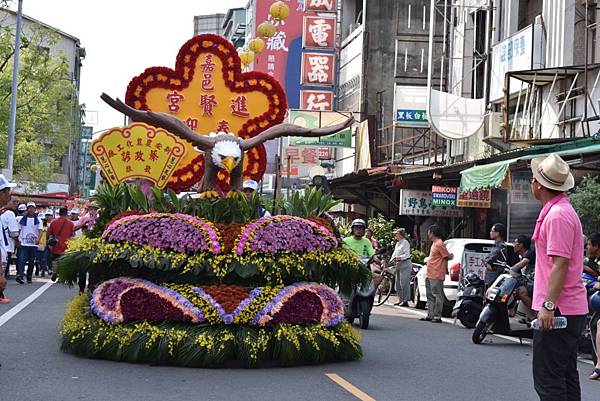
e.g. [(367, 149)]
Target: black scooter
[(360, 303), (469, 302), (496, 317)]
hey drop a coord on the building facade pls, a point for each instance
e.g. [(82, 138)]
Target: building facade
[(210, 23), (234, 26)]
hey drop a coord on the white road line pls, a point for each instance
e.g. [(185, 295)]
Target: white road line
[(23, 304), (508, 338)]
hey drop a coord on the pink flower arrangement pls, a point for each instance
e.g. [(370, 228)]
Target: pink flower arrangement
[(284, 233), (173, 231)]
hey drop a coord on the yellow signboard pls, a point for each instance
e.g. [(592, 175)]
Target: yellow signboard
[(138, 151)]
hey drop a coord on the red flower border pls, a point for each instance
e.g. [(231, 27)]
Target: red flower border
[(235, 80)]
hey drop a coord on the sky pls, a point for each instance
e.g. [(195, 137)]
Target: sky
[(122, 38)]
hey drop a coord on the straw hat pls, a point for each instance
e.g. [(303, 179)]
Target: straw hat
[(552, 172)]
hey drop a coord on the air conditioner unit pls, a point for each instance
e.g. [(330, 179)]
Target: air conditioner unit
[(457, 147), (493, 126)]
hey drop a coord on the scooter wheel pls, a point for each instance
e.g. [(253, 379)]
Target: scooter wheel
[(480, 332), (364, 320), (350, 320)]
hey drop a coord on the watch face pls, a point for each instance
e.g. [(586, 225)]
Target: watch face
[(549, 305)]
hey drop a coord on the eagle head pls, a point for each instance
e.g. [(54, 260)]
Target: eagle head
[(226, 153)]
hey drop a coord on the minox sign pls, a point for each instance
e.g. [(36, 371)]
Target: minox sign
[(444, 196)]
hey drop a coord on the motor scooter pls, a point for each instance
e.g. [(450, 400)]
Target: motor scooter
[(360, 303), (498, 316), (469, 302)]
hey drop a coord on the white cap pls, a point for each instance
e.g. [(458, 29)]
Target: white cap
[(250, 184), (22, 207), (49, 213), (74, 210), (5, 184), (30, 204)]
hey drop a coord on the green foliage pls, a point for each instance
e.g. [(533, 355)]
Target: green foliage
[(311, 202), (417, 256), (586, 201), (382, 230), (195, 345), (47, 108)]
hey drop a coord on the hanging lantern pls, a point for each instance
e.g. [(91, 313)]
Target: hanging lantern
[(279, 10), (256, 45), (246, 57), (266, 30)]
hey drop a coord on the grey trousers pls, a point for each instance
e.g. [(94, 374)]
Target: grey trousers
[(403, 271), (435, 297)]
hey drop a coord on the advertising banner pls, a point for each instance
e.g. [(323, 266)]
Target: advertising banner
[(316, 100), (419, 203), (318, 33), (444, 196), (481, 198), (317, 119), (318, 69)]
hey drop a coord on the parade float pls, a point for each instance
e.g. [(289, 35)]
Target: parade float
[(206, 282)]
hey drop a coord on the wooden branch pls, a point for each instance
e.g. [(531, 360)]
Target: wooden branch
[(162, 120), (282, 130)]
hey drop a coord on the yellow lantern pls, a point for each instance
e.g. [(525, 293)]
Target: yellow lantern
[(246, 57), (256, 45), (266, 30), (279, 10)]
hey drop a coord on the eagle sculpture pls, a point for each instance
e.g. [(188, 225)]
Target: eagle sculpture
[(222, 150)]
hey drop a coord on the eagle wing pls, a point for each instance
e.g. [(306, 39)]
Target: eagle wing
[(162, 120), (282, 130)]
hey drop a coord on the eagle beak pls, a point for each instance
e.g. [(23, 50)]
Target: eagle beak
[(229, 162)]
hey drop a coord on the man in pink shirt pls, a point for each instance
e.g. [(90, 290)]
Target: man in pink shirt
[(558, 288)]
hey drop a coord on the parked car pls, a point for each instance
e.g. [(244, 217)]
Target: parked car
[(457, 247)]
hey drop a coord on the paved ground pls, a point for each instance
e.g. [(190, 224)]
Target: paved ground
[(405, 359)]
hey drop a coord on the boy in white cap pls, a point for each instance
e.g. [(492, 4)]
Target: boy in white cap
[(5, 188), (31, 228), (249, 187)]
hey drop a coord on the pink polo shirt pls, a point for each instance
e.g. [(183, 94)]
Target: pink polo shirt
[(560, 234)]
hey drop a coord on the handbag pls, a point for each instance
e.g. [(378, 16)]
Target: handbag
[(53, 239)]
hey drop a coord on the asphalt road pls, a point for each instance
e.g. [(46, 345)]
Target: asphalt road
[(405, 359)]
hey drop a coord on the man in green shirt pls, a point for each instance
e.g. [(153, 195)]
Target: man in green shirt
[(357, 241)]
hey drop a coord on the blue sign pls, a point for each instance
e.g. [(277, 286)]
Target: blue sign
[(412, 117)]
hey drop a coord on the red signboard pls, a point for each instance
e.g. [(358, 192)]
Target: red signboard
[(318, 32), (320, 5), (301, 155), (316, 100), (294, 171), (318, 69), (324, 153)]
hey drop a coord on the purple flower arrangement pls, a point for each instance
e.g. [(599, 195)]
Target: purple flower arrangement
[(229, 317), (172, 231), (126, 299), (283, 233)]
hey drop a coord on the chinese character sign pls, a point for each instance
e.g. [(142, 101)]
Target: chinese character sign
[(208, 92), (316, 100), (138, 151), (320, 5), (318, 33), (481, 198), (318, 69), (419, 203), (520, 191)]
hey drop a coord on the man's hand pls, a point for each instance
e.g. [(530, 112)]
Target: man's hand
[(597, 287), (546, 319)]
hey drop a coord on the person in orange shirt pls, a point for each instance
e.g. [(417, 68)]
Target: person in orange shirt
[(437, 267)]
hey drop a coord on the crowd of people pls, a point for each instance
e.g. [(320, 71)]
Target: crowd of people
[(33, 238)]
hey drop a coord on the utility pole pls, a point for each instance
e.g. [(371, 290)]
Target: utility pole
[(13, 95)]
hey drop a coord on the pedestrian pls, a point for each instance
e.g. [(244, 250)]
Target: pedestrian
[(249, 188), (525, 266), (496, 259), (21, 211), (558, 288), (31, 228), (41, 262), (47, 253), (5, 188), (87, 221), (10, 233), (357, 241), (591, 267), (369, 236), (60, 230), (74, 217), (403, 265), (437, 267)]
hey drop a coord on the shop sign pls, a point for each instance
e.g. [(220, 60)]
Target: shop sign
[(481, 198), (318, 33), (410, 105), (316, 100), (520, 191), (419, 203), (301, 155), (324, 153), (138, 151), (320, 5), (293, 171), (443, 196), (316, 119), (318, 69), (474, 262)]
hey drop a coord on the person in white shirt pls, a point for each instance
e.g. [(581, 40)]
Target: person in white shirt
[(31, 228), (5, 188), (401, 257), (10, 231)]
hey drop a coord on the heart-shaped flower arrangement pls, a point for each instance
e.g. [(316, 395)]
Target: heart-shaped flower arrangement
[(208, 91)]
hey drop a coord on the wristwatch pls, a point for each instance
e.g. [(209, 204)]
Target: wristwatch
[(549, 306)]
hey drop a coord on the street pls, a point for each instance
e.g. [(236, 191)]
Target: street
[(404, 359)]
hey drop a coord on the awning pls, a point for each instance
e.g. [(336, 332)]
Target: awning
[(492, 175)]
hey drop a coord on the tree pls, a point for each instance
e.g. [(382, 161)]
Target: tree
[(47, 110), (586, 201)]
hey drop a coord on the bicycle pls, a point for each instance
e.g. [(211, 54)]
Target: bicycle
[(385, 287)]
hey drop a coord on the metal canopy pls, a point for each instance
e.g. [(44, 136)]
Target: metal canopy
[(545, 76)]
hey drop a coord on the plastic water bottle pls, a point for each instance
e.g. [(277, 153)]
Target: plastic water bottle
[(560, 322)]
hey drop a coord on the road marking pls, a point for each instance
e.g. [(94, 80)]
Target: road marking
[(508, 338), (349, 387), (23, 304)]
